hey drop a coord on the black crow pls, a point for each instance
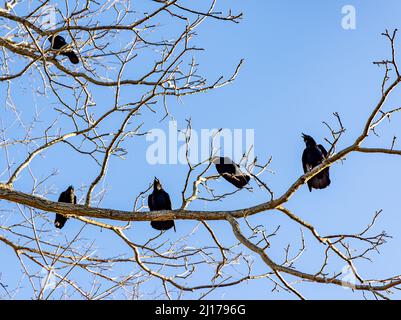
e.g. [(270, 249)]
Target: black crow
[(231, 171), (160, 200), (67, 196), (58, 43), (313, 156)]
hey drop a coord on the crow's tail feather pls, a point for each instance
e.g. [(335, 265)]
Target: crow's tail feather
[(72, 56)]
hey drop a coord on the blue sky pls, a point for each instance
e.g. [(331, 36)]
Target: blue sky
[(300, 67)]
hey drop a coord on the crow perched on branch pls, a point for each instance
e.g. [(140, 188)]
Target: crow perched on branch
[(313, 156), (58, 43), (160, 200), (67, 196), (231, 171)]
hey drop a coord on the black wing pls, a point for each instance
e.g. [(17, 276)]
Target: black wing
[(163, 200), (168, 201), (225, 168), (305, 165), (72, 56), (57, 42), (324, 151), (61, 198), (150, 202), (75, 199), (60, 220)]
